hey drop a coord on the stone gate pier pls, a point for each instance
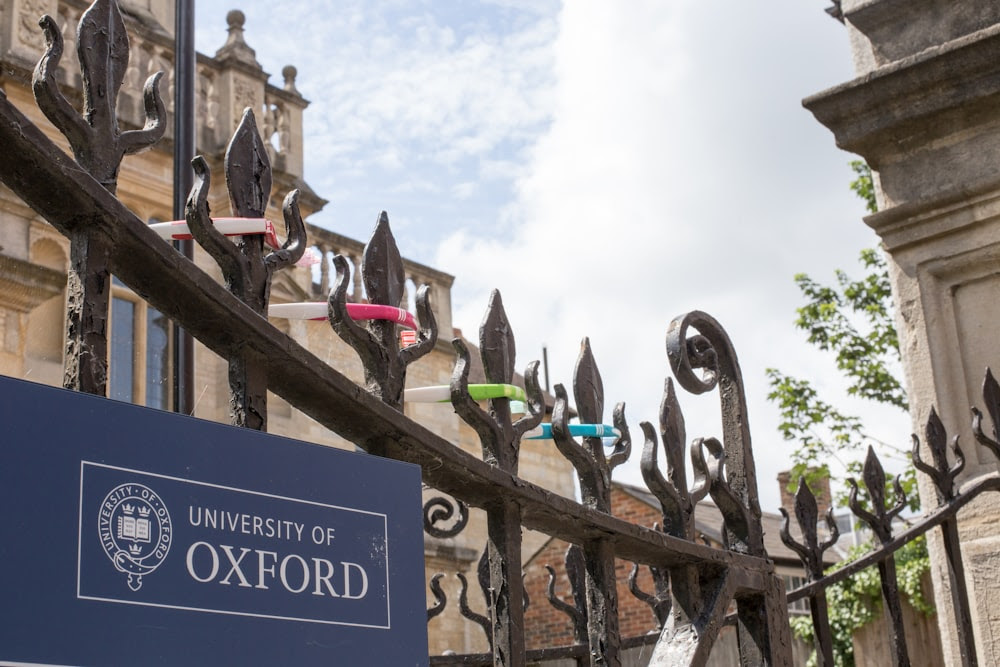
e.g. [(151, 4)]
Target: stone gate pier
[(924, 111)]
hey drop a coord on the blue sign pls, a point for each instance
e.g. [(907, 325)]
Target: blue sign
[(132, 536)]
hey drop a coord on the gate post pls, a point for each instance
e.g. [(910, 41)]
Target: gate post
[(924, 114)]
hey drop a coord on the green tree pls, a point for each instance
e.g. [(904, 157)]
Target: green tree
[(853, 320)]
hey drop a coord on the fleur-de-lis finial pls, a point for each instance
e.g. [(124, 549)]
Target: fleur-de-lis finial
[(97, 142), (246, 270), (499, 437), (593, 467), (810, 552), (811, 549), (879, 519), (991, 400), (98, 146), (376, 342), (672, 492), (941, 472)]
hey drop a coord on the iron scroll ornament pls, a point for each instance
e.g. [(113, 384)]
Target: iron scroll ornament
[(711, 351)]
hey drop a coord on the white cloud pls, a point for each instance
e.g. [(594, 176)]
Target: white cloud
[(679, 173), (630, 161)]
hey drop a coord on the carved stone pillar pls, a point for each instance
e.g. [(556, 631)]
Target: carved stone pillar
[(925, 113), (242, 80)]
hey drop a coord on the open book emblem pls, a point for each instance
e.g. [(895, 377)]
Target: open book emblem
[(135, 530)]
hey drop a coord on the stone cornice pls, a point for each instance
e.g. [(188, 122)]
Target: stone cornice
[(915, 100), (897, 29), (24, 285), (937, 216)]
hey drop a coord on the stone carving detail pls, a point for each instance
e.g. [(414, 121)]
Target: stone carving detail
[(207, 99), (28, 33), (244, 95), (277, 129), (70, 20)]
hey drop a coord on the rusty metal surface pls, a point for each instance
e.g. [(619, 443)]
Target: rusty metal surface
[(594, 470), (811, 550), (98, 146), (880, 519), (246, 270), (500, 438)]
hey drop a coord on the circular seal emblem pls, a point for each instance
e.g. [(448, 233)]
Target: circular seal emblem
[(135, 530)]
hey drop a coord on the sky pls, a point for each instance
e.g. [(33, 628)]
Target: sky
[(607, 166)]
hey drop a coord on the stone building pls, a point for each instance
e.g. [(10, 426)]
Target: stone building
[(923, 112), (33, 257)]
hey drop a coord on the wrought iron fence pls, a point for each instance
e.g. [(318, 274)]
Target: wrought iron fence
[(699, 588)]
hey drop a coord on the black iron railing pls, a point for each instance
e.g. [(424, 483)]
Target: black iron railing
[(699, 589)]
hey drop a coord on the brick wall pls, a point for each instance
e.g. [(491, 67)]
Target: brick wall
[(546, 626)]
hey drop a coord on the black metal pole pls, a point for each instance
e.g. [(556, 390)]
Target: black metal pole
[(545, 366), (184, 149)]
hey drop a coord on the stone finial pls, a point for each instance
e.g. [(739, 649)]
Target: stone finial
[(235, 46), (289, 73)]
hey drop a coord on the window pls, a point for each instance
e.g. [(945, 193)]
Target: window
[(139, 358), (791, 583)]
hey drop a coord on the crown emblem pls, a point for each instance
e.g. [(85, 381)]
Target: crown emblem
[(128, 509), (135, 549), (143, 511)]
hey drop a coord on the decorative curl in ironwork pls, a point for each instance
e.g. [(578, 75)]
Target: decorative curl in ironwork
[(483, 574), (575, 572), (660, 602), (439, 509), (440, 599), (376, 342), (711, 351), (676, 502), (709, 476)]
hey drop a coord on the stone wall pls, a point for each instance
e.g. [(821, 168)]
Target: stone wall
[(924, 113)]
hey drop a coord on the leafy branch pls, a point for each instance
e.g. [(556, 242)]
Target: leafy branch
[(853, 320)]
